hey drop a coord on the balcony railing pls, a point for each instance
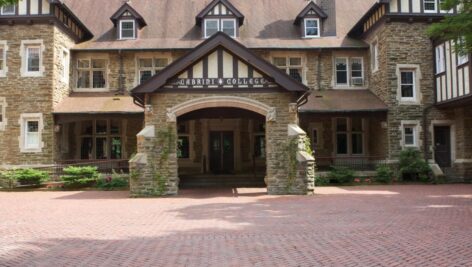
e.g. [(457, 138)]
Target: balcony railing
[(354, 163)]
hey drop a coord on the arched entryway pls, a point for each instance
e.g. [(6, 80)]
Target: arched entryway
[(221, 142)]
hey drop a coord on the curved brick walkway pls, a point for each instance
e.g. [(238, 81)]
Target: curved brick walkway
[(357, 226)]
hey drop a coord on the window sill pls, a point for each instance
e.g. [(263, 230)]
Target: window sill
[(90, 90), (32, 74), (338, 87), (311, 37), (31, 150), (408, 102)]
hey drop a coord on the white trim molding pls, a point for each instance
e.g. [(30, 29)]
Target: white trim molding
[(25, 117), (417, 129), (4, 70), (24, 59), (3, 106), (416, 100), (453, 136)]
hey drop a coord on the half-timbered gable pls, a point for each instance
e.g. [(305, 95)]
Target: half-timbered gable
[(220, 15)]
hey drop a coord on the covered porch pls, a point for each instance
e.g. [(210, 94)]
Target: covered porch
[(347, 128)]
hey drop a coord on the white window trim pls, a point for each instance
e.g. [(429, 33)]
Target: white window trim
[(362, 71), (24, 118), (416, 100), (287, 56), (374, 46), (234, 24), (440, 57), (431, 11), (415, 124), (349, 133), (348, 69), (107, 72), (3, 106), (65, 66), (139, 56), (24, 58), (205, 28), (121, 29), (2, 12), (4, 70), (305, 28)]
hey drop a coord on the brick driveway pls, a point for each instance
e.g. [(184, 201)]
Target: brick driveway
[(356, 226)]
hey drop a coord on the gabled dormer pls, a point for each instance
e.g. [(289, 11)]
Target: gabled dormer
[(220, 16), (310, 21), (127, 22)]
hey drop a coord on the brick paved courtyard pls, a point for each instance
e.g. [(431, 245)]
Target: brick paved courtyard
[(351, 226)]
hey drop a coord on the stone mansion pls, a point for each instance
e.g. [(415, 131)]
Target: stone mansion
[(185, 88)]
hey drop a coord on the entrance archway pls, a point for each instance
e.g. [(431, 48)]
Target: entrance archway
[(221, 147)]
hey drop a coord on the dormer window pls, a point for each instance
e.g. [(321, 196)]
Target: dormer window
[(220, 16), (8, 10), (312, 27), (127, 29), (127, 22), (310, 21)]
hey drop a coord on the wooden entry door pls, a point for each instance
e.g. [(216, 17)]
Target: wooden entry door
[(221, 152), (442, 145)]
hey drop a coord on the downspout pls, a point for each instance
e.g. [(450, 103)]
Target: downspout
[(121, 80)]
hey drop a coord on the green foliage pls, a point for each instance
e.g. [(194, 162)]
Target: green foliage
[(384, 174), (24, 177), (322, 180), (113, 181), (412, 165), (342, 175), (80, 176), (7, 2), (455, 27)]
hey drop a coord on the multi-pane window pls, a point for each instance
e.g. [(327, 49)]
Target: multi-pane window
[(349, 136), (440, 61), (8, 10), (127, 29), (374, 56), (33, 58), (101, 139), (429, 6), (32, 138), (462, 58), (293, 66), (312, 28), (91, 73), (349, 71), (212, 26), (149, 67), (407, 84), (409, 135), (228, 26)]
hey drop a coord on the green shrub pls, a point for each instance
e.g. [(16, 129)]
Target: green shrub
[(413, 166), (342, 175), (24, 177), (322, 180), (80, 176), (384, 174), (114, 181)]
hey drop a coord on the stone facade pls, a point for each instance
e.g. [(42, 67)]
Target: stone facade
[(31, 94)]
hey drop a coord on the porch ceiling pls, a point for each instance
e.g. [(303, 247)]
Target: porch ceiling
[(338, 101), (88, 104)]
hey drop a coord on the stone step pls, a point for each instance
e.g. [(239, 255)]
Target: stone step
[(221, 181)]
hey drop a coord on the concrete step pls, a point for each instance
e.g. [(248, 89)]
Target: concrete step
[(200, 181)]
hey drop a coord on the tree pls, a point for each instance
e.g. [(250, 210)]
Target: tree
[(7, 2), (457, 27)]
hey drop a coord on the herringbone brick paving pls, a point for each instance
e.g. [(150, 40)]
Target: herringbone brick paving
[(414, 225)]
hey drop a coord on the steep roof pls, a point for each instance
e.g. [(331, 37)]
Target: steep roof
[(342, 101), (216, 41), (171, 24)]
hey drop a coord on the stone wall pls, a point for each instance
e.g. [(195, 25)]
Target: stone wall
[(159, 176), (31, 94)]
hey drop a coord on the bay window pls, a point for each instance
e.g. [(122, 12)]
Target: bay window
[(91, 74)]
